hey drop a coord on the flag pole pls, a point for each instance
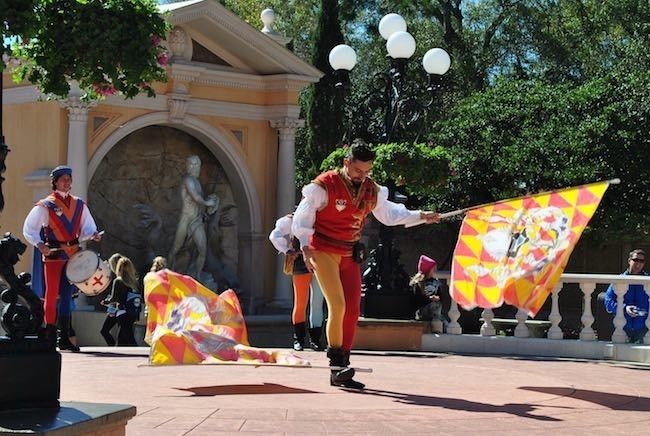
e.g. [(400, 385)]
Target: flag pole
[(466, 209)]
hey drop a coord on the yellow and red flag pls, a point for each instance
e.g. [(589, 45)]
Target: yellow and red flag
[(188, 323), (514, 251)]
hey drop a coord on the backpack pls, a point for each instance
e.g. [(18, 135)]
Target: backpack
[(133, 305)]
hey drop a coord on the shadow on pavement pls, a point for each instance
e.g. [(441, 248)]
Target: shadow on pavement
[(605, 399), (257, 389), (414, 354), (113, 353), (522, 410)]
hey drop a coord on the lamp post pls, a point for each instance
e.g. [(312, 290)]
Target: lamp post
[(4, 148), (385, 282)]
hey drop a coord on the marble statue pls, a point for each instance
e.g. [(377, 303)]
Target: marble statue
[(194, 213)]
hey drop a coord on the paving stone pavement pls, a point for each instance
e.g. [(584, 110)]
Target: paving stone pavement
[(414, 393)]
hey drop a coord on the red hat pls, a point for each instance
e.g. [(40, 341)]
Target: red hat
[(426, 264)]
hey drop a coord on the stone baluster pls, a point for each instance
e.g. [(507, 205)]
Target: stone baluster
[(286, 196), (521, 330), (454, 328), (487, 329), (619, 336), (555, 332), (587, 333)]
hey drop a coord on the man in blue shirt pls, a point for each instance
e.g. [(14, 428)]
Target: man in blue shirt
[(635, 301)]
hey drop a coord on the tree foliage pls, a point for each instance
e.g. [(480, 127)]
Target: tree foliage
[(526, 136), (414, 168), (323, 102), (107, 46), (17, 16)]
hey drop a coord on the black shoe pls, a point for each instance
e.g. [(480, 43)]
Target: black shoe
[(65, 344), (299, 334), (350, 384), (338, 376), (314, 339), (343, 378)]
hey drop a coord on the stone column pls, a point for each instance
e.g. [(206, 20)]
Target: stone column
[(78, 152), (78, 139), (286, 196), (252, 277)]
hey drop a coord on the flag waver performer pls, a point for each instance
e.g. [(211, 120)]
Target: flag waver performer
[(54, 226), (515, 251), (303, 283), (328, 223)]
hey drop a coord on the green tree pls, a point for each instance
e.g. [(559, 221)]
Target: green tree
[(415, 168), (323, 103), (525, 136)]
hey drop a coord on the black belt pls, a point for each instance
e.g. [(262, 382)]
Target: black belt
[(56, 244), (333, 241)]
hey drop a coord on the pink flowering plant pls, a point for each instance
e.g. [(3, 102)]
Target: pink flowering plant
[(107, 46)]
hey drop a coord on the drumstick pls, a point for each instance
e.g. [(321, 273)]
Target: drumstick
[(86, 239)]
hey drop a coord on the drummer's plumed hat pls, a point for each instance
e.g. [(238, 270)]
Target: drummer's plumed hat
[(59, 171)]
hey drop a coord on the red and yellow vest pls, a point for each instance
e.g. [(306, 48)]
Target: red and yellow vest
[(64, 222), (338, 226)]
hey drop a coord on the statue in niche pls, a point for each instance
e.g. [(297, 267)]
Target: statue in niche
[(191, 224)]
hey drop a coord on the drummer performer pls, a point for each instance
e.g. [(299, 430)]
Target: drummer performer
[(54, 226)]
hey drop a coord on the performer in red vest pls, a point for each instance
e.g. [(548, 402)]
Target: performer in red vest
[(58, 222), (328, 223)]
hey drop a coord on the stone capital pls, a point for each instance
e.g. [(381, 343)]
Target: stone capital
[(285, 124), (178, 104), (77, 109)]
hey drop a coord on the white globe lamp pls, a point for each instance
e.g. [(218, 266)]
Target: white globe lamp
[(436, 61), (400, 45), (343, 57), (390, 24)]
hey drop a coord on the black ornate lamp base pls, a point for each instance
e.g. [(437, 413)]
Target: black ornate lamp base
[(30, 374)]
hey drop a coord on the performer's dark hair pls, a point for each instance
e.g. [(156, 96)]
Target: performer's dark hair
[(360, 150)]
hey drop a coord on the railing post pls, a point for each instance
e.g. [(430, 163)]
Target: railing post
[(487, 329), (587, 333), (521, 330), (454, 328), (619, 336), (555, 332)]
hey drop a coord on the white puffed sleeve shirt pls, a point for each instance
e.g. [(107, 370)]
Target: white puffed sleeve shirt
[(315, 199)]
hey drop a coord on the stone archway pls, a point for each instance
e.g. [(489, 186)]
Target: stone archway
[(138, 169), (135, 196)]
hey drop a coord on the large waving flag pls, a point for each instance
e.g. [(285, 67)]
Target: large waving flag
[(515, 250), (187, 323)]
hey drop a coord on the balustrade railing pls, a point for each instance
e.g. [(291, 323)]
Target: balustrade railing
[(587, 284)]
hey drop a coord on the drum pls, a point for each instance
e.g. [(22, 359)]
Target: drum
[(88, 272)]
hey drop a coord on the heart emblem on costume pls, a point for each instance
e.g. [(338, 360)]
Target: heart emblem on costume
[(340, 204)]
